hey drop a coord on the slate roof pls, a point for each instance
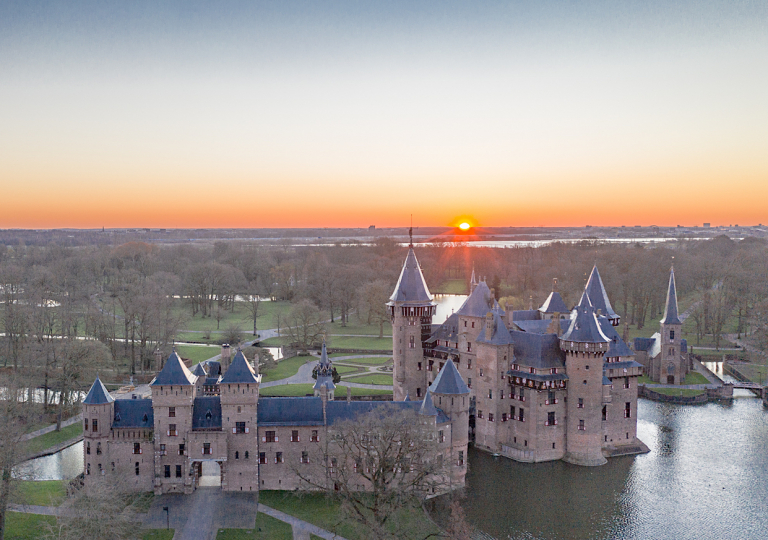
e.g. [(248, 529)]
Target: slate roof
[(584, 328), (655, 348), (324, 380), (174, 372), (584, 301), (427, 406), (448, 381), (621, 365), (499, 333), (526, 315), (98, 394), (214, 368), (290, 411), (554, 304), (199, 371), (448, 331), (133, 413), (480, 302), (616, 347), (540, 351), (540, 326), (598, 296), (240, 371), (206, 413), (411, 288), (683, 345), (643, 343), (670, 308)]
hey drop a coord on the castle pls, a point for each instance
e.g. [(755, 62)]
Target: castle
[(216, 419), (545, 384)]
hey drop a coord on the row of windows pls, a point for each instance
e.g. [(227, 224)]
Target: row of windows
[(94, 425), (271, 436)]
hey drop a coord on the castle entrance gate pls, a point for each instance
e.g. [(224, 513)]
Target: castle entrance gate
[(208, 472)]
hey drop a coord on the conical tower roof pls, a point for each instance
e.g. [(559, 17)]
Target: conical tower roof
[(584, 328), (174, 372), (448, 381), (240, 371), (670, 309), (98, 394), (598, 296), (427, 406), (199, 370), (411, 288), (584, 301), (324, 361), (479, 302), (554, 304)]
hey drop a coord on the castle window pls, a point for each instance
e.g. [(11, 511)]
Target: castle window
[(167, 471), (581, 425), (172, 430), (479, 414), (412, 343), (551, 399), (469, 363), (171, 412), (418, 392), (238, 409), (86, 425), (490, 394), (521, 397), (512, 393), (237, 455), (279, 457), (144, 418), (469, 382), (136, 449), (137, 468), (441, 436), (88, 469), (461, 458), (626, 382), (207, 449), (469, 346), (672, 335), (503, 417), (163, 452), (95, 424), (239, 427), (430, 365), (515, 367), (553, 371), (627, 410), (178, 471), (305, 457), (181, 449), (533, 370), (418, 366), (490, 417), (295, 436), (512, 412), (522, 415), (580, 404), (208, 414), (551, 419), (465, 324), (246, 454), (605, 413), (314, 437), (269, 436), (481, 372)]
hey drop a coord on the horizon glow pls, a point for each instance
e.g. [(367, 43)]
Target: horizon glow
[(200, 114)]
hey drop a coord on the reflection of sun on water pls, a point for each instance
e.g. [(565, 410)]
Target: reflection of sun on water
[(464, 226)]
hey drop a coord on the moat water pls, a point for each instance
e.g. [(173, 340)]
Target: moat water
[(705, 477)]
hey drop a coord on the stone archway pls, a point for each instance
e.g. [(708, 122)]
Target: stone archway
[(210, 473)]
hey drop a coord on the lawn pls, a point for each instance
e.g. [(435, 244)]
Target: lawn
[(265, 528), (754, 372), (694, 377), (286, 368), (26, 526), (372, 343), (197, 353), (354, 327), (323, 511), (366, 360), (342, 370), (684, 392), (42, 493), (301, 390), (38, 444), (158, 534), (375, 378)]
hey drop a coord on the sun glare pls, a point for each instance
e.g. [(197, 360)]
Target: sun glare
[(464, 226)]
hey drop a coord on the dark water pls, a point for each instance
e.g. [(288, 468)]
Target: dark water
[(706, 477)]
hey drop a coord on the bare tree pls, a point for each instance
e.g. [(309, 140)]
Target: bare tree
[(13, 419), (304, 325), (379, 463)]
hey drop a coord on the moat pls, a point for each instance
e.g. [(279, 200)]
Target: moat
[(705, 477)]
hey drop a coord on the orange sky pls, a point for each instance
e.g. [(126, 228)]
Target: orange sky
[(357, 115)]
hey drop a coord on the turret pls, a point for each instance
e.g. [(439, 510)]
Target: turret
[(98, 411), (411, 309), (450, 395), (599, 298), (672, 368), (585, 345), (324, 371)]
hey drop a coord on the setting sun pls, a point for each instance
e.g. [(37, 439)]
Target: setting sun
[(464, 226)]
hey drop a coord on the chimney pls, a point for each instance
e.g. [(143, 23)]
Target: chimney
[(226, 353), (158, 359)]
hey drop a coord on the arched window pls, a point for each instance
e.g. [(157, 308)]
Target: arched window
[(237, 455), (246, 454)]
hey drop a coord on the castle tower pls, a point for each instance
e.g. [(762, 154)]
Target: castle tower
[(599, 298), (173, 395), (673, 369), (450, 394), (239, 397), (411, 309), (585, 345), (98, 411), (324, 372)]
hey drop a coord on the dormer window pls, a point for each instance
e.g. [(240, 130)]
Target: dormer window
[(208, 414), (117, 419), (145, 418)]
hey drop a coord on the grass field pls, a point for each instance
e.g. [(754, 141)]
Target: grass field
[(684, 392), (695, 377), (265, 528), (355, 327), (365, 343), (300, 390), (38, 444), (158, 534), (42, 493), (376, 378), (369, 361), (286, 368), (325, 512), (26, 526), (342, 370), (197, 353)]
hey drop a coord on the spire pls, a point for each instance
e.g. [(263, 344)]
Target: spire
[(599, 297), (585, 328), (584, 301), (240, 371), (174, 372), (670, 309), (427, 406), (448, 381), (411, 287), (472, 280)]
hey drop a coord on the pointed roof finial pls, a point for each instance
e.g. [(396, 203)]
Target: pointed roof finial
[(670, 309), (410, 232), (554, 284)]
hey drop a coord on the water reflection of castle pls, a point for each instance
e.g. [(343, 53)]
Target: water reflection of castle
[(545, 384)]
